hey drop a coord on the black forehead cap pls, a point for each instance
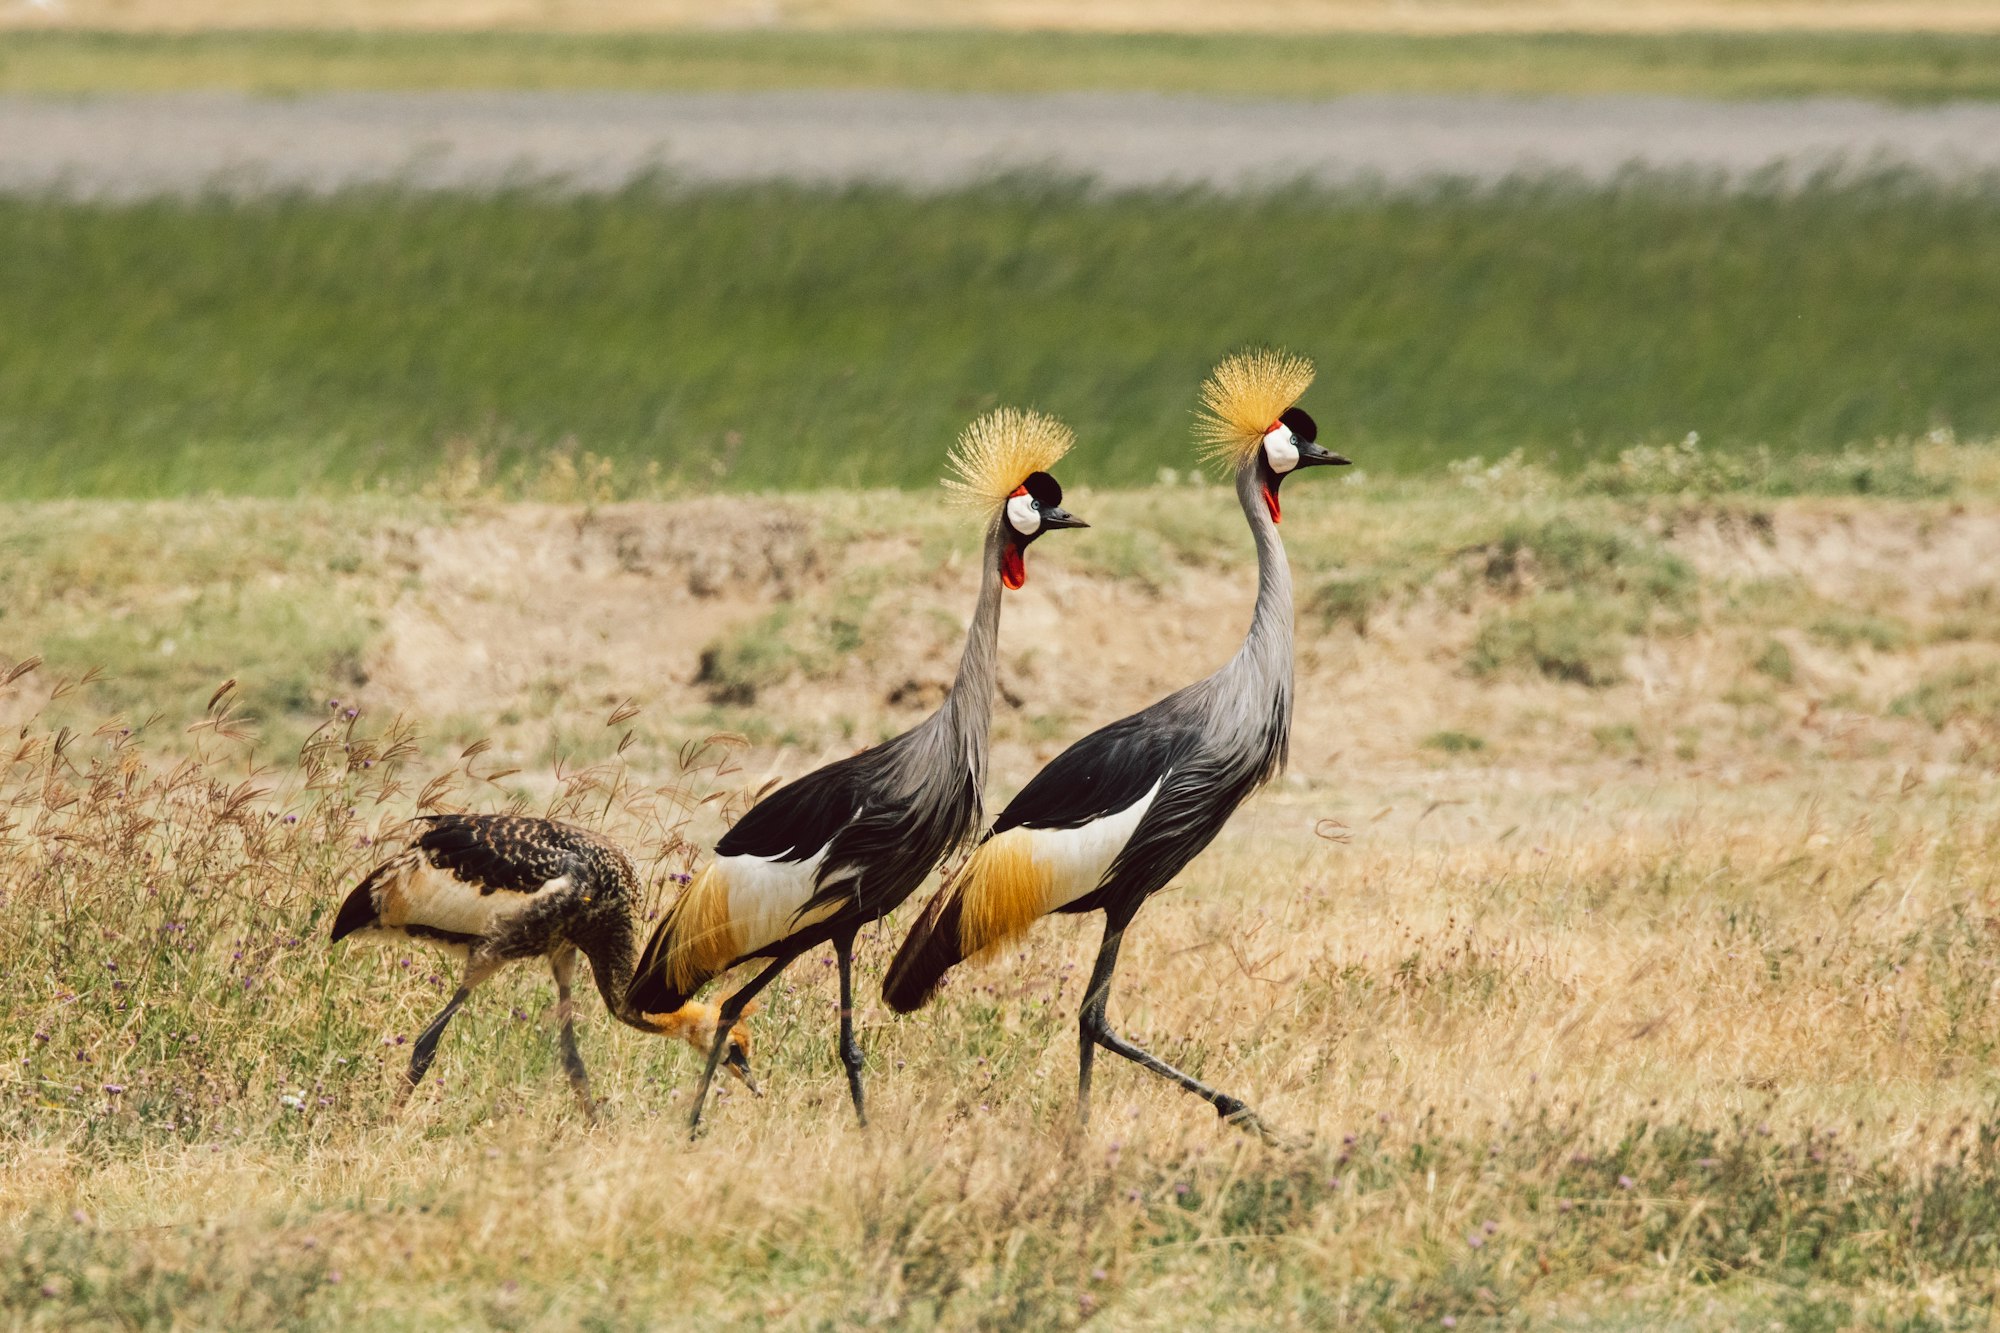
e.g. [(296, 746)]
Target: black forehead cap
[(1044, 488), (1302, 425)]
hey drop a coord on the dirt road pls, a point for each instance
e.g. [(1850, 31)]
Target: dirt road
[(143, 145)]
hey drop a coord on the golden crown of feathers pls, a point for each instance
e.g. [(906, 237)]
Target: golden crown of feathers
[(1243, 396), (1000, 450)]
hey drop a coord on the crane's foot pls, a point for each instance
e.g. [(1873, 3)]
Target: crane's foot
[(852, 1062), (572, 1059), (1236, 1113)]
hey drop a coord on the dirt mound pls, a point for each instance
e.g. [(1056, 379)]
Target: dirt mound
[(618, 600), (1847, 549), (1810, 626)]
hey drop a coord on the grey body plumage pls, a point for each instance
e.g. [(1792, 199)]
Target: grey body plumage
[(845, 845), (1153, 789), (884, 817), (1211, 744)]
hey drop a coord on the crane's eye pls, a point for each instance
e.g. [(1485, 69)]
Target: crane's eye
[(1281, 449), (1024, 514)]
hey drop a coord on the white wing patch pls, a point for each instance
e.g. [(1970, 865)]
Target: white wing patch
[(423, 895), (765, 896), (1075, 859)]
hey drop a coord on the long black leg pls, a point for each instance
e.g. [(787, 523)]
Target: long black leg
[(477, 970), (425, 1050), (1090, 1020), (732, 1009), (563, 964), (1093, 1029), (850, 1051)]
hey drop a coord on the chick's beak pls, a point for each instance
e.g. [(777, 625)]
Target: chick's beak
[(739, 1064), (1315, 455), (1055, 516)]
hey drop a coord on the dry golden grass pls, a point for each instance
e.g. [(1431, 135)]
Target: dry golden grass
[(1671, 998), (1413, 16)]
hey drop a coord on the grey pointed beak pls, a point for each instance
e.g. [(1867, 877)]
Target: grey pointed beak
[(1313, 455), (1058, 517)]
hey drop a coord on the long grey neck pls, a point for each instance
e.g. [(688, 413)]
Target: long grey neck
[(966, 716), (1262, 667)]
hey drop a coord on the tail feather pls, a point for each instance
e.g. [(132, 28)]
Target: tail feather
[(930, 950), (360, 912), (994, 898), (693, 945)]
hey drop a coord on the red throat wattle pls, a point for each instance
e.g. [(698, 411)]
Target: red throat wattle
[(1013, 568), (1270, 490)]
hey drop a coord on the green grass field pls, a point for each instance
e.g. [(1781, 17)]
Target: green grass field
[(778, 337), (1920, 67)]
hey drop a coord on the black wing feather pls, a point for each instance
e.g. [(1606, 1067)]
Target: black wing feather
[(795, 821), (502, 852), (1206, 784), (1106, 771), (1191, 809)]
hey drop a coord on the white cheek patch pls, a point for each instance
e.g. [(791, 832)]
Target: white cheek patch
[(1281, 449), (1024, 515)]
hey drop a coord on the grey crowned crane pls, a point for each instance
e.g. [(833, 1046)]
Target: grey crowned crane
[(1116, 816), (845, 845), (499, 888)]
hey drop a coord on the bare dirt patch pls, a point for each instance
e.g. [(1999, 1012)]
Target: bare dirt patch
[(623, 597), (548, 613)]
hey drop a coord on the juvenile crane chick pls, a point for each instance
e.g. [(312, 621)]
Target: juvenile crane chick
[(496, 889)]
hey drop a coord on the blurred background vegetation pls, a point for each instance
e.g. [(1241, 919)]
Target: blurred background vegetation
[(782, 337), (1916, 67)]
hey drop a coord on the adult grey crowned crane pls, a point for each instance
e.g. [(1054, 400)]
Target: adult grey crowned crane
[(1113, 818), (842, 846), (497, 888)]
